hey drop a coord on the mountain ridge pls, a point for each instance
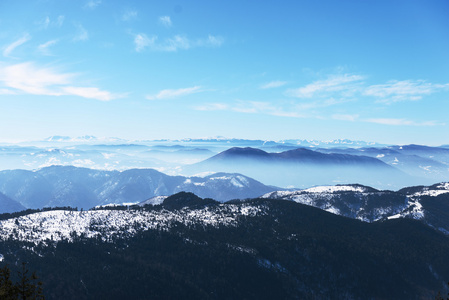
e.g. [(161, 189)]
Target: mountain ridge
[(86, 188)]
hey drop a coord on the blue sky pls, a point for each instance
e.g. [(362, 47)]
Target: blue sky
[(361, 70)]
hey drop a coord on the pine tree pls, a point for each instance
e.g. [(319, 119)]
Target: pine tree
[(8, 290), (27, 287), (439, 297)]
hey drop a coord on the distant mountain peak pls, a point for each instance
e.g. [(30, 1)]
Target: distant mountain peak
[(241, 152)]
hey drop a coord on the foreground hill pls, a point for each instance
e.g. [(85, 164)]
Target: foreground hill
[(426, 203), (193, 248), (86, 188), (302, 168)]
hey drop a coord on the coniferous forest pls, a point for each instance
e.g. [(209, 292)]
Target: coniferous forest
[(295, 252)]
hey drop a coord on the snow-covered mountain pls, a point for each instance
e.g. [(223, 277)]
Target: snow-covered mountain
[(58, 186), (427, 203), (185, 244), (57, 225)]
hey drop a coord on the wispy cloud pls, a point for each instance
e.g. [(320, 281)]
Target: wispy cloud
[(210, 41), (346, 84), (212, 107), (168, 93), (46, 22), (129, 15), (90, 92), (141, 41), (345, 117), (166, 21), (273, 84), (401, 122), (173, 44), (43, 48), (250, 107), (92, 4), (60, 20), (10, 48), (82, 34), (27, 78), (406, 90)]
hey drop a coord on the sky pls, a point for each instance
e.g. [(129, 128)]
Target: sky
[(362, 70)]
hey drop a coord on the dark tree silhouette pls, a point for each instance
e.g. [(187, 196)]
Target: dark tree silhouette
[(439, 297), (26, 288), (7, 289)]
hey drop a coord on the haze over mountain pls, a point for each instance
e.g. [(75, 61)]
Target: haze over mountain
[(303, 168), (430, 163), (86, 188), (7, 205), (419, 164)]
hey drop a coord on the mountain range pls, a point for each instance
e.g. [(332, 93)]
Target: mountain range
[(303, 168), (86, 188), (410, 164), (426, 163)]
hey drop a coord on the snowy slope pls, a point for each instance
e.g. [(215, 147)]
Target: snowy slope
[(426, 203), (354, 201), (108, 224)]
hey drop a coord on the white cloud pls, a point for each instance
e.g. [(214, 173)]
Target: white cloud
[(401, 122), (6, 92), (60, 20), (10, 48), (211, 41), (46, 22), (141, 41), (129, 15), (89, 92), (82, 35), (43, 48), (346, 83), (250, 107), (166, 21), (345, 117), (406, 90), (27, 78), (92, 4), (167, 94), (173, 44), (212, 107), (273, 84)]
